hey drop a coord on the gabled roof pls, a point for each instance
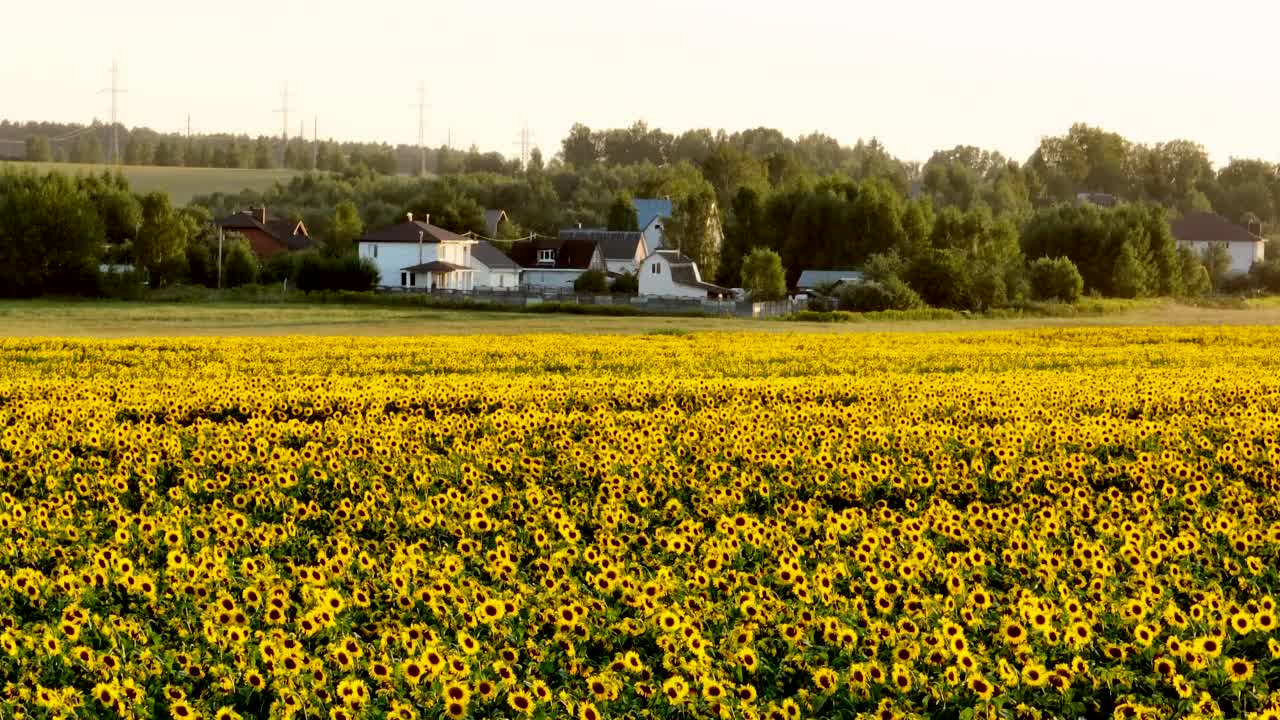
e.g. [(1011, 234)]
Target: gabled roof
[(1210, 227), (615, 244), (684, 271), (290, 233), (435, 266), (412, 232), (813, 278), (493, 258), (492, 219), (647, 209), (569, 254)]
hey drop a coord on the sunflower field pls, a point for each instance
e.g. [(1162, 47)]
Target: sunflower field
[(1076, 523)]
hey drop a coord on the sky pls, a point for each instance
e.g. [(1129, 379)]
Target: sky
[(920, 76)]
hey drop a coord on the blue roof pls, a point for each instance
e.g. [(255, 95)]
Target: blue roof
[(649, 208)]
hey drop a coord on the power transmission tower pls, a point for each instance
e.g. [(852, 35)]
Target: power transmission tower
[(526, 144), (315, 142), (284, 132), (115, 91), (422, 127)]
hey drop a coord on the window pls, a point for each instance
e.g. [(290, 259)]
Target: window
[(373, 249), (413, 279), (656, 268), (546, 256), (404, 279)]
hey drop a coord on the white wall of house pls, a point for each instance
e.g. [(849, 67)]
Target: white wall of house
[(653, 235), (391, 257), (1243, 254), (495, 278), (655, 280), (549, 278)]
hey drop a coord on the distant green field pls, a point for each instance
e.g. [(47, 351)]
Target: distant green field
[(181, 183)]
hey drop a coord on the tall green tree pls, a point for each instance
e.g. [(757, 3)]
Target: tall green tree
[(50, 235), (622, 213), (344, 230), (581, 148), (694, 230), (763, 275), (161, 241)]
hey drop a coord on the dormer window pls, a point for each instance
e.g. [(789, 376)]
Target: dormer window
[(546, 256)]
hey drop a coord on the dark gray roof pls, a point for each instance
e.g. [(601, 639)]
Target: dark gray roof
[(410, 232), (493, 218), (1210, 227), (813, 278), (435, 266), (615, 244), (684, 272), (491, 256)]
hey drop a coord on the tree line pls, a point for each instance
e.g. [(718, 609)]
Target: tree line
[(73, 143)]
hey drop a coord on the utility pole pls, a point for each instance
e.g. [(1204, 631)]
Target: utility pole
[(284, 109), (422, 127), (115, 91)]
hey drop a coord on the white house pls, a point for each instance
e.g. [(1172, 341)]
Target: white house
[(493, 269), (553, 263), (668, 273), (420, 255), (623, 250), (651, 215), (1199, 231)]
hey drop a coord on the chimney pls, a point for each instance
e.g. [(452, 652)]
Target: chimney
[(1255, 228), (427, 219), (262, 214), (410, 216), (579, 226)]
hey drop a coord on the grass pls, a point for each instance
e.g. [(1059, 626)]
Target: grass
[(181, 183), (108, 319)]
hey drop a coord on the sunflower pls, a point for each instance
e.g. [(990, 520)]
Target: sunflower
[(1238, 669), (521, 701)]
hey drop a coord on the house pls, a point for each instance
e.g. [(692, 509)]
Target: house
[(1103, 200), (417, 254), (554, 263), (668, 273), (623, 250), (493, 222), (813, 279), (267, 235), (1200, 230), (493, 269), (651, 216)]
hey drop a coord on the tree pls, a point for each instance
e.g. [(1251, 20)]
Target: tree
[(344, 230), (239, 266), (161, 239), (536, 164), (625, 284), (263, 158), (878, 295), (1217, 261), (622, 213), (692, 230), (763, 275), (1055, 279), (39, 149), (87, 149), (1129, 277), (50, 235), (580, 148)]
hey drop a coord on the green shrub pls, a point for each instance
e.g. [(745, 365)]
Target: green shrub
[(1055, 279), (592, 282), (873, 296), (349, 273), (626, 284), (1266, 275), (239, 266), (942, 278), (280, 267)]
